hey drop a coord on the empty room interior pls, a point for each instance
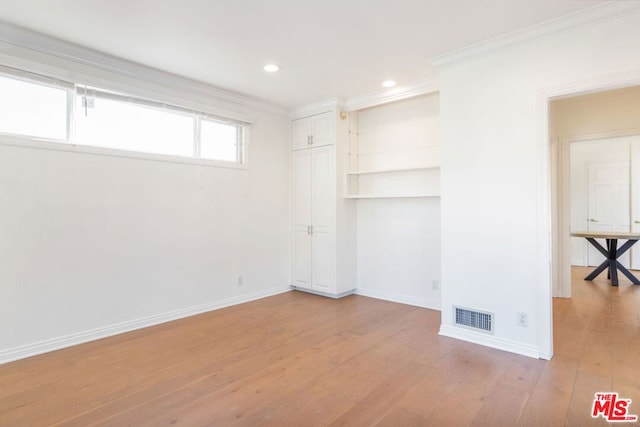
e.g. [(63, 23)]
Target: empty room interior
[(367, 213)]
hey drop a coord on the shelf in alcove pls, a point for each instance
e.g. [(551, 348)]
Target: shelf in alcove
[(391, 196), (421, 168)]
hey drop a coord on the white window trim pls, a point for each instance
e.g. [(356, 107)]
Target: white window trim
[(69, 145), (21, 141)]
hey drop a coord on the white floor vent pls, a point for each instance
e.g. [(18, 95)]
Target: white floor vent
[(473, 319)]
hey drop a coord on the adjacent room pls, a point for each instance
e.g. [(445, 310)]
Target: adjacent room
[(596, 137), (343, 213)]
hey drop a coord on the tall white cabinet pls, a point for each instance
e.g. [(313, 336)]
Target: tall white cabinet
[(313, 131), (323, 235)]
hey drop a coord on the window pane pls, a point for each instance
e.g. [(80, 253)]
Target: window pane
[(127, 126), (32, 109), (218, 141)]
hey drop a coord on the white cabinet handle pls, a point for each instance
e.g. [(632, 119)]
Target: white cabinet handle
[(593, 220), (636, 222), (309, 140), (311, 229)]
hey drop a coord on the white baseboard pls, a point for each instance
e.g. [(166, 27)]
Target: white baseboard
[(403, 299), (45, 346), (491, 341), (323, 294)]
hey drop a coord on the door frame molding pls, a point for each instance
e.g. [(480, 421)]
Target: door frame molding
[(552, 261)]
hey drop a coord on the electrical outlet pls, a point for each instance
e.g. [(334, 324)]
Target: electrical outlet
[(240, 280), (523, 319), (435, 285)]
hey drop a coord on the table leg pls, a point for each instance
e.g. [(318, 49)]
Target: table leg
[(611, 263), (604, 252), (613, 272), (608, 257), (598, 270), (627, 273), (624, 248)]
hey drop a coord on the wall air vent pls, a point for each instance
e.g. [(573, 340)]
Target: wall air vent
[(473, 319)]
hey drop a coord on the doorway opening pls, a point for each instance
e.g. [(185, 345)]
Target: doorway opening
[(595, 158), (595, 178)]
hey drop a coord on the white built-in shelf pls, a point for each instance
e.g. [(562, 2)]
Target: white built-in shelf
[(421, 168), (394, 183), (390, 196)]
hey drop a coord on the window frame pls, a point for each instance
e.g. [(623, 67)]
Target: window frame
[(70, 144), (50, 82), (241, 132)]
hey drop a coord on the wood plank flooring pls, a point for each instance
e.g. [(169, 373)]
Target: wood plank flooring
[(302, 360)]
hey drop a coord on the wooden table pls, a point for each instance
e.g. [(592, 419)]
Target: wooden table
[(611, 253)]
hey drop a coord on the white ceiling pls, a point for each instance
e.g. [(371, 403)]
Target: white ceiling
[(326, 48)]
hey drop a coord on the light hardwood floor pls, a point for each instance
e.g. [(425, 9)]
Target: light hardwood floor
[(302, 360)]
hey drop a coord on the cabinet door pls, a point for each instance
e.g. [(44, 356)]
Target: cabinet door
[(323, 191), (301, 133), (302, 194), (301, 274), (321, 130), (323, 262), (323, 218)]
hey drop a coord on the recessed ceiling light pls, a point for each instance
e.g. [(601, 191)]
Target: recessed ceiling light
[(271, 68), (388, 83)]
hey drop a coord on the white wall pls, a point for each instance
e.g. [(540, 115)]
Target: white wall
[(399, 250), (596, 115), (92, 245), (496, 194), (398, 240)]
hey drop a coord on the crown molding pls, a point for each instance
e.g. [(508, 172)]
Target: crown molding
[(582, 18), (419, 87), (321, 106), (22, 38)]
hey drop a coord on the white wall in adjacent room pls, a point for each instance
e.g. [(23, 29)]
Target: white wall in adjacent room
[(596, 114)]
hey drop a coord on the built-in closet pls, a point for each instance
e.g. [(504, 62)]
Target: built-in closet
[(366, 201)]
